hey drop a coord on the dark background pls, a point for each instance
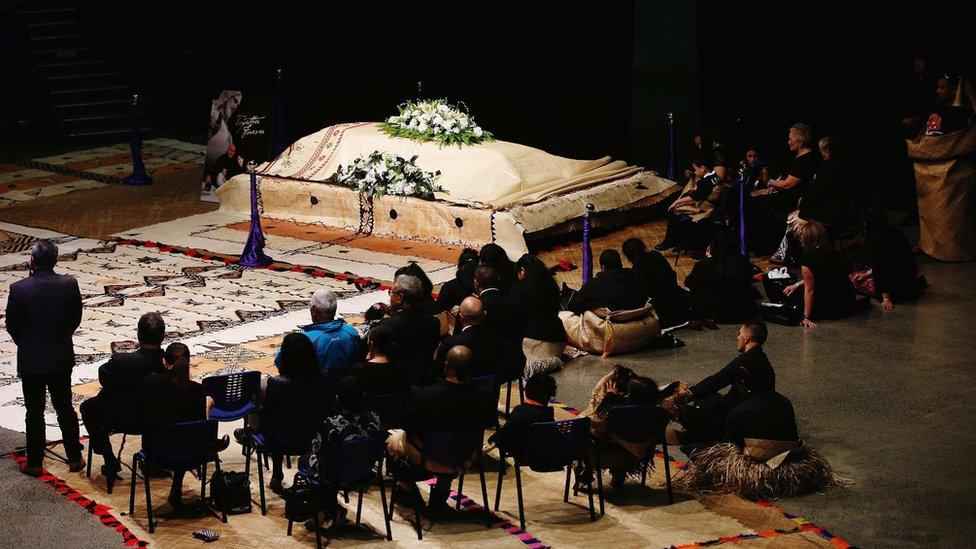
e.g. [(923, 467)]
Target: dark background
[(578, 81)]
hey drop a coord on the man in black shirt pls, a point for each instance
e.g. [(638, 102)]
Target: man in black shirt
[(485, 346), (659, 282), (947, 118), (450, 404), (416, 333), (705, 420), (120, 379), (615, 288), (763, 415)]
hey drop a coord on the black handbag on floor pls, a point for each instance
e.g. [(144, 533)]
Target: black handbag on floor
[(301, 500), (235, 488)]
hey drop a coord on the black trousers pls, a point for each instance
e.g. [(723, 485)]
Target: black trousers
[(96, 415), (59, 385)]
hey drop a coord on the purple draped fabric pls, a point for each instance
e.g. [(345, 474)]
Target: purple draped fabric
[(253, 254), (587, 251)]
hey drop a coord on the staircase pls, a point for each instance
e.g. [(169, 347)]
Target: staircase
[(88, 99)]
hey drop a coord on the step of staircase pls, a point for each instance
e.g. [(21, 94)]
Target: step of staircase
[(86, 81), (91, 108)]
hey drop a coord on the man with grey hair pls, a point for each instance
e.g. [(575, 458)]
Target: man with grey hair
[(43, 312), (416, 333), (336, 342)]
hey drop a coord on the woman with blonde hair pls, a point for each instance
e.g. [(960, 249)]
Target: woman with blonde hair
[(827, 289)]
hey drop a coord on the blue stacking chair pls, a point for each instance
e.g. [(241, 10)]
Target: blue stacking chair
[(637, 423), (387, 407), (352, 466), (187, 446), (124, 409), (233, 394), (288, 438), (451, 449), (551, 446)]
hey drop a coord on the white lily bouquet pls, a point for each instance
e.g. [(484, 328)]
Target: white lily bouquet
[(435, 120), (382, 173)]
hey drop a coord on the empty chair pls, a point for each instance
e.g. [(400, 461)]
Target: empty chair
[(233, 394), (636, 424), (552, 446), (451, 449), (181, 446)]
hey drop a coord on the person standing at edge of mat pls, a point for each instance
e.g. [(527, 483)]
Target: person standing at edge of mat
[(43, 312)]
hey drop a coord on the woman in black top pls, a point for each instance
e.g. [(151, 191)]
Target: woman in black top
[(380, 374), (534, 301), (494, 255), (827, 289), (296, 400), (659, 282), (171, 397), (892, 261), (427, 305), (461, 286), (721, 284)]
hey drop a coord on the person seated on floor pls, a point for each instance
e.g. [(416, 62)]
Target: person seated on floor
[(450, 404), (947, 118), (614, 287), (703, 409), (659, 281), (621, 387), (768, 208), (721, 285), (427, 303), (827, 292), (170, 396), (696, 203), (535, 298), (494, 255), (336, 342), (121, 376), (381, 373), (294, 400), (486, 347), (462, 285), (349, 421), (511, 438), (892, 271), (828, 199), (416, 333)]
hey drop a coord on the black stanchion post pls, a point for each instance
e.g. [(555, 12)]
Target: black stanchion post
[(139, 175)]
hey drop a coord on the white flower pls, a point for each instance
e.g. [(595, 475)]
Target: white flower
[(478, 132), (422, 127), (393, 119)]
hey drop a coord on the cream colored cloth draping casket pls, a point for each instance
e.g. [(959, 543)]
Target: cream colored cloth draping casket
[(496, 192)]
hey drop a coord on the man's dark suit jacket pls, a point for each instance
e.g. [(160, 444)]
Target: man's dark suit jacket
[(754, 360), (446, 406), (615, 289), (43, 311), (124, 373), (416, 335), (499, 317), (486, 351)]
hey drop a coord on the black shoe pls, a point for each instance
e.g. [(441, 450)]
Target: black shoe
[(222, 444), (276, 486), (240, 435), (664, 245), (111, 470)]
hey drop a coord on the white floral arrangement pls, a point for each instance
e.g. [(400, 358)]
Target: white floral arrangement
[(382, 173), (435, 120)]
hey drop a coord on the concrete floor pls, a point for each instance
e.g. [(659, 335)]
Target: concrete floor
[(886, 396)]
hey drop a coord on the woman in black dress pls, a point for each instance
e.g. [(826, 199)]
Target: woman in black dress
[(380, 374), (827, 289), (534, 301), (461, 286), (721, 284), (891, 259)]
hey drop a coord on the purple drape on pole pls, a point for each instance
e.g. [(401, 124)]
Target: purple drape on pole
[(671, 146), (253, 254), (587, 251)]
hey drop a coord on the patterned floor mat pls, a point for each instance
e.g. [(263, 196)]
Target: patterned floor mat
[(91, 169)]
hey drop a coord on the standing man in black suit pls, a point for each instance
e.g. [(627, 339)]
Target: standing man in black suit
[(116, 404), (43, 312), (416, 333), (486, 347)]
